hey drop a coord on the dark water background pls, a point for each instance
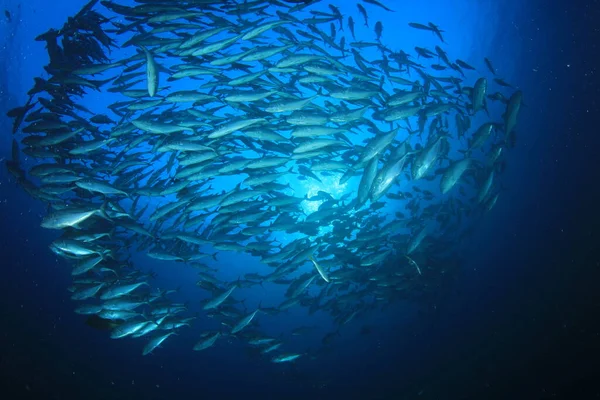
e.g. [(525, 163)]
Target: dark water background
[(521, 322)]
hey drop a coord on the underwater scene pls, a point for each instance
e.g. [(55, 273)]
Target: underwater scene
[(276, 199)]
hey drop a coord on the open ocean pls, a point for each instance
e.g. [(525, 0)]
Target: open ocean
[(515, 316)]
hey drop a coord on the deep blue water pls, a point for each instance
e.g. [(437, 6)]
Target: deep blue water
[(517, 322)]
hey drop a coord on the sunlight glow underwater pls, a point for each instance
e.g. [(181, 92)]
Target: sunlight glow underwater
[(303, 189)]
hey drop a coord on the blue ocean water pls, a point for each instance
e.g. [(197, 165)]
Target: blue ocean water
[(481, 337)]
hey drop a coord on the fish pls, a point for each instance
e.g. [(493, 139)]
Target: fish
[(289, 105), (97, 186), (378, 30), (70, 218), (351, 26), (437, 31), (207, 342), (426, 159), (417, 25), (231, 127), (218, 300), (87, 293), (245, 321), (78, 249), (366, 182), (121, 290), (128, 328), (378, 4), (453, 174), (156, 342), (319, 269), (502, 82), (464, 65), (363, 12), (489, 65), (271, 348), (429, 27), (414, 263), (151, 73), (478, 96), (417, 239), (386, 177), (263, 129), (86, 265), (485, 188), (512, 112), (377, 145), (283, 358)]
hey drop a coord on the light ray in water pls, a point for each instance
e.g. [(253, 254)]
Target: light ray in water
[(285, 163)]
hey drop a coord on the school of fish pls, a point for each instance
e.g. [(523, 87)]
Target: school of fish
[(280, 129)]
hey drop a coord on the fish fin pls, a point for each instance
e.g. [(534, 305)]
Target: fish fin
[(103, 211)]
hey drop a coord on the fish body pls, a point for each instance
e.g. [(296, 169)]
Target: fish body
[(351, 27), (427, 158), (386, 177), (512, 112), (207, 342), (366, 182), (484, 190), (363, 12), (244, 322), (97, 186), (417, 239), (481, 135), (151, 73), (320, 269), (217, 301), (377, 145), (121, 290), (128, 328), (155, 342), (479, 93), (69, 218), (453, 174), (489, 65), (278, 136), (283, 358)]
